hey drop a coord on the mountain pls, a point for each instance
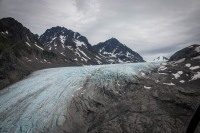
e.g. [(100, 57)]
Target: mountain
[(187, 53), (116, 52), (22, 52), (183, 66), (71, 45), (161, 58)]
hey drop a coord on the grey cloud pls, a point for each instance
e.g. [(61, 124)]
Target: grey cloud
[(149, 27)]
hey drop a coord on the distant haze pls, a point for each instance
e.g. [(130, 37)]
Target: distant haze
[(149, 27)]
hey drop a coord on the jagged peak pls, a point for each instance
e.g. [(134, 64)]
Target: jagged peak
[(9, 21), (114, 40)]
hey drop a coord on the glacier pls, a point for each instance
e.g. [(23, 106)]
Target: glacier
[(39, 103)]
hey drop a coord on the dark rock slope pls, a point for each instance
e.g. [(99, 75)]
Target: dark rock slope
[(21, 52), (187, 53), (116, 52)]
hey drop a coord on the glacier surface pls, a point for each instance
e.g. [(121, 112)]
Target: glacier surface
[(39, 103)]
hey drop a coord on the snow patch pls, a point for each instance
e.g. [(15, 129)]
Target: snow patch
[(70, 47), (169, 83), (79, 43), (188, 65), (196, 76), (197, 57), (120, 61), (177, 75), (84, 59), (164, 63), (147, 87), (162, 68), (62, 54), (181, 60), (39, 47), (194, 67), (101, 49), (28, 38), (163, 73), (83, 53), (127, 54), (98, 57), (142, 74), (197, 49), (62, 39), (28, 44), (74, 35), (182, 81), (52, 39), (55, 44)]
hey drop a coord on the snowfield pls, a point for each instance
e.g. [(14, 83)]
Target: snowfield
[(40, 102)]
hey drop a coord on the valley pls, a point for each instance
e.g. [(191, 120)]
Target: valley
[(134, 97), (60, 83)]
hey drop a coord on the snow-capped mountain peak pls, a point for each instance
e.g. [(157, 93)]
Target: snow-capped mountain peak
[(70, 44), (161, 58), (116, 52)]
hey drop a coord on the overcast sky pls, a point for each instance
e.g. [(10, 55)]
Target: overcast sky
[(149, 27)]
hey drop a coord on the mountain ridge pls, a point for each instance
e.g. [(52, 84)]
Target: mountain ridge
[(72, 45), (23, 52), (116, 52)]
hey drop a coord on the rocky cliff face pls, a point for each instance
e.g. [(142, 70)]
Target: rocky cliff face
[(116, 52)]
